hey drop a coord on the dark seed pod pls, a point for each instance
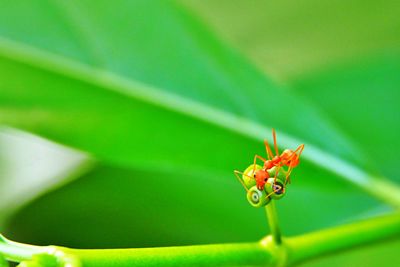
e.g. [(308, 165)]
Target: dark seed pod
[(275, 189)]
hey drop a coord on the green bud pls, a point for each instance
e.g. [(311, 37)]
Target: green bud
[(248, 175), (257, 198), (281, 174)]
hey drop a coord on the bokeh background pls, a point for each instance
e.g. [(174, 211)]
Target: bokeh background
[(122, 121)]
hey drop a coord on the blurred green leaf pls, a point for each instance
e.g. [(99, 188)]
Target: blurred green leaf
[(30, 166), (368, 92), (343, 57), (120, 208), (291, 39), (151, 93), (345, 61)]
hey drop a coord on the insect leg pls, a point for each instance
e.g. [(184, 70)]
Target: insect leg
[(237, 174), (276, 173), (268, 149), (278, 187), (275, 144), (298, 150), (287, 178)]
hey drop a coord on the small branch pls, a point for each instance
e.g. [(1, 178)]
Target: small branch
[(272, 217), (291, 251), (245, 254), (45, 256), (341, 238), (14, 251)]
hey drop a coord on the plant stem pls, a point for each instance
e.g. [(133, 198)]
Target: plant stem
[(340, 238), (267, 252), (14, 251), (272, 216), (246, 254)]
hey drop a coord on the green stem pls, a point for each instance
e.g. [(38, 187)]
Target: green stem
[(267, 252), (273, 222), (246, 254), (14, 251), (340, 238)]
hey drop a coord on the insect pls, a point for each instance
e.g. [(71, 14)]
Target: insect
[(266, 182)]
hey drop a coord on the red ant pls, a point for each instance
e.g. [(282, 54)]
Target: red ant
[(288, 158)]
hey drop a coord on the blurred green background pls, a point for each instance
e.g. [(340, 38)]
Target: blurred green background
[(122, 121)]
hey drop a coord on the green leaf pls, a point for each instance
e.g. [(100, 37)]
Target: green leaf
[(291, 39), (368, 89), (170, 111), (30, 166), (113, 207), (342, 57), (346, 63)]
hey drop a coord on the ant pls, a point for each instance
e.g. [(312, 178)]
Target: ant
[(271, 173)]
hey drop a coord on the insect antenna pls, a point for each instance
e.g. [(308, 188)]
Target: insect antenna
[(237, 173)]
